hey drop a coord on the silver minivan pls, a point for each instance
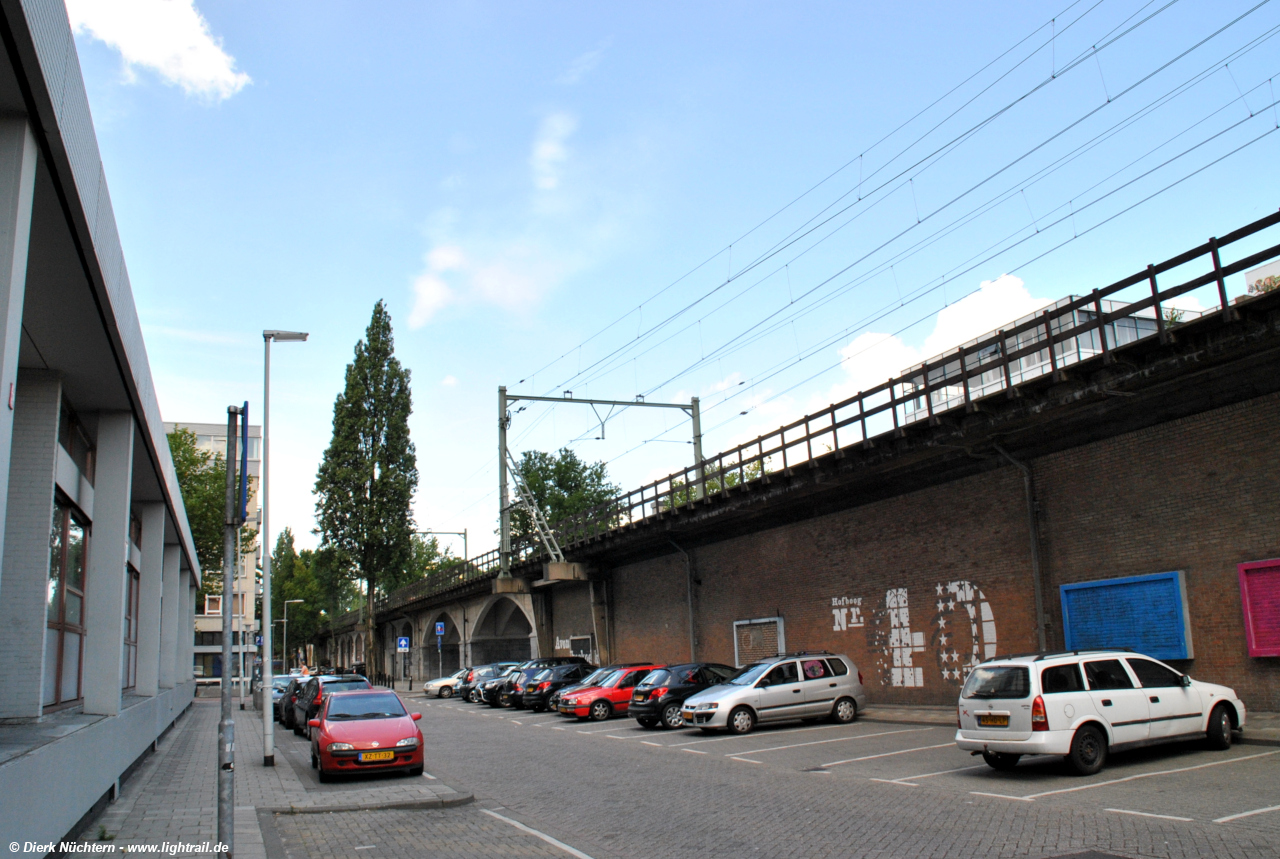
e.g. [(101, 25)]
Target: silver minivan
[(791, 686)]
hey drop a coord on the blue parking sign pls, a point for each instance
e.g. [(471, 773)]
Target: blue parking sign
[(402, 644), (439, 627)]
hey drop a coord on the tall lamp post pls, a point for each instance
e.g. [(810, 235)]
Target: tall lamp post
[(284, 644), (268, 723)]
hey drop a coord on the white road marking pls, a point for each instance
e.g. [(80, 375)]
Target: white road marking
[(888, 754), (597, 730), (823, 742), (366, 846), (1149, 775), (554, 842), (1148, 814), (1231, 817), (744, 760), (514, 722), (771, 733), (426, 774), (999, 796), (694, 751), (651, 743), (910, 778)]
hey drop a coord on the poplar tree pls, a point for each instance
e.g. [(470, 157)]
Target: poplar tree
[(369, 473)]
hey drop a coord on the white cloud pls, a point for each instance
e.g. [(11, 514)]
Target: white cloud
[(449, 381), (512, 277), (430, 294), (550, 150), (170, 37), (582, 66)]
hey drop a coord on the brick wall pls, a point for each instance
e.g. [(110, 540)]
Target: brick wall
[(917, 587)]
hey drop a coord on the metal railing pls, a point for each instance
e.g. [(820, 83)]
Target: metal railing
[(1074, 329)]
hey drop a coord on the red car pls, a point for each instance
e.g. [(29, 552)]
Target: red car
[(366, 731), (612, 696)]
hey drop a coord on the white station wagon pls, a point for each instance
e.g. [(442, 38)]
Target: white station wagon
[(1084, 704)]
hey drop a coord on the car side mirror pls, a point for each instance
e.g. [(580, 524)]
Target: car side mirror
[(315, 723), (1186, 679), (415, 716)]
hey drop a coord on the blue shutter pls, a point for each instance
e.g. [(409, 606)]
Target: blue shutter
[(1146, 613)]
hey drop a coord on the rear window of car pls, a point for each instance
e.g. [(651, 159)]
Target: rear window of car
[(1107, 674), (1061, 678), (380, 706), (838, 668), (660, 677), (998, 681), (345, 685), (814, 669)]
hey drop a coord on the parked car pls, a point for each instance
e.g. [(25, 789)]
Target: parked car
[(511, 693), (549, 681), (278, 684), (792, 686), (657, 699), (289, 697), (611, 697), (1083, 705), (365, 731), (311, 695), (592, 679), (443, 687), (468, 689), (491, 689)]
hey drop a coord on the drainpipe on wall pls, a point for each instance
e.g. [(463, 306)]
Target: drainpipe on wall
[(688, 572), (1029, 486)]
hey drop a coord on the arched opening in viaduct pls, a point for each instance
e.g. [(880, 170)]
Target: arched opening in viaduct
[(503, 634)]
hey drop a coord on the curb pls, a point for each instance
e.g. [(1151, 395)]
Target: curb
[(459, 799)]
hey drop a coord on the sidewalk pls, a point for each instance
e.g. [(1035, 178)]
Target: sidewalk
[(173, 796)]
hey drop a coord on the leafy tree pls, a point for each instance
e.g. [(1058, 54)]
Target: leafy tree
[(202, 477), (367, 478), (293, 579), (713, 482), (561, 485)]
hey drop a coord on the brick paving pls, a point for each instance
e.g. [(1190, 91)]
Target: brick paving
[(456, 833)]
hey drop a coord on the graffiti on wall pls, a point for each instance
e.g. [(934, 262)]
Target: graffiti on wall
[(963, 632)]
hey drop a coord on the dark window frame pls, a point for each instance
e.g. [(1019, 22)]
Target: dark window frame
[(64, 515), (129, 664)]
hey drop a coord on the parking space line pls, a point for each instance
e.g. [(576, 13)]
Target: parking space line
[(426, 774), (597, 730), (745, 760), (1231, 817), (1148, 814), (1000, 796), (771, 733), (651, 743), (1149, 775), (888, 754), (544, 836), (834, 740), (694, 751), (907, 779)]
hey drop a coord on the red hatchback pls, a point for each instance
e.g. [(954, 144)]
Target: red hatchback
[(365, 732), (612, 696)]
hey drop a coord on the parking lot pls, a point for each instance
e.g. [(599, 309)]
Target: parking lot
[(872, 788)]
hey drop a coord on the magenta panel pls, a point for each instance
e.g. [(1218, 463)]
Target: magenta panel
[(1260, 597)]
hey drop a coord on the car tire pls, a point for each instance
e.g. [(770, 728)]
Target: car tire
[(600, 711), (1002, 761), (671, 718), (741, 721), (323, 776), (418, 770), (844, 711), (1088, 750), (315, 761), (1218, 734), (647, 721), (446, 691)]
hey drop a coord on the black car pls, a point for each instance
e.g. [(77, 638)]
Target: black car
[(285, 706), (491, 689), (549, 681), (469, 688), (511, 693), (657, 699), (307, 702), (590, 680)]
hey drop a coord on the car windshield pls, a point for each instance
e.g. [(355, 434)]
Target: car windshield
[(612, 679), (596, 676), (280, 682), (998, 681), (378, 706), (344, 685), (751, 674)]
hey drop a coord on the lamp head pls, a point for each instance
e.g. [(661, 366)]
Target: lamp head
[(284, 336)]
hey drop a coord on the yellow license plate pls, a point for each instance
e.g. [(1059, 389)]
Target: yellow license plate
[(637, 697), (377, 756), (991, 720)]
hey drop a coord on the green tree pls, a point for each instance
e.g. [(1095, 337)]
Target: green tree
[(369, 473), (293, 579), (561, 484), (202, 477), (714, 484)]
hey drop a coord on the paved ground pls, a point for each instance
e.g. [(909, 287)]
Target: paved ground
[(549, 786)]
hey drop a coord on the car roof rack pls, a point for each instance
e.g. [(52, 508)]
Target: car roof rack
[(805, 653), (1041, 655)]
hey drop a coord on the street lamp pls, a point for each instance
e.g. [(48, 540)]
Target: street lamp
[(284, 643), (268, 723)]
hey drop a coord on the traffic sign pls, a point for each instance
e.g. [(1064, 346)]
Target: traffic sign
[(402, 644), (257, 641), (439, 627)]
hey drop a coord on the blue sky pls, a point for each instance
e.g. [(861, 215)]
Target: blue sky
[(533, 188)]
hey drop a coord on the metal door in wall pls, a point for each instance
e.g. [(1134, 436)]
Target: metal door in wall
[(757, 639)]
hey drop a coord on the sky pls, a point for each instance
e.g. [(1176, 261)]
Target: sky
[(767, 206)]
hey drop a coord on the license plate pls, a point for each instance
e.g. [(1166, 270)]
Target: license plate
[(992, 720), (377, 756), (637, 697)]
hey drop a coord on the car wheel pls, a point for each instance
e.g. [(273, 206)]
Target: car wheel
[(647, 721), (416, 770), (537, 708), (600, 711), (844, 711), (1219, 733), (671, 718), (446, 691), (742, 720), (315, 761), (1001, 760), (323, 776), (1088, 750)]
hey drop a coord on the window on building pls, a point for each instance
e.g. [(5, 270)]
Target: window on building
[(135, 531), (129, 668), (64, 631), (213, 604), (75, 441)]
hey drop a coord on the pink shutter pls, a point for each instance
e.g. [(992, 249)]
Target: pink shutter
[(1260, 598)]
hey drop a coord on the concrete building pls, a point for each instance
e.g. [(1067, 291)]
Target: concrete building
[(95, 634), (208, 621)]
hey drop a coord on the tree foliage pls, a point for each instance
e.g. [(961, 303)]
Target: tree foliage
[(366, 481), (561, 484), (202, 477), (714, 483)]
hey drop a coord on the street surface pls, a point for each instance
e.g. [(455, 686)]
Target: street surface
[(871, 789)]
